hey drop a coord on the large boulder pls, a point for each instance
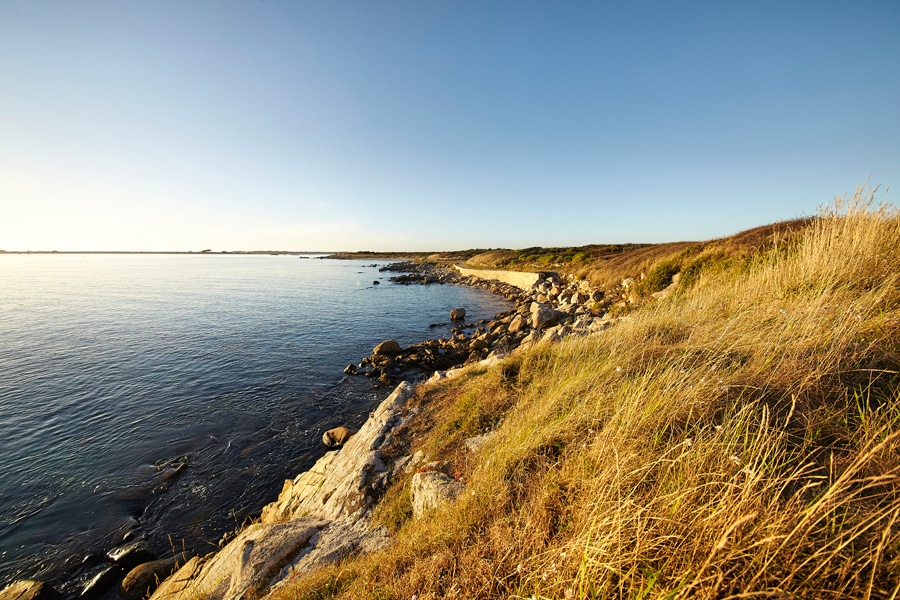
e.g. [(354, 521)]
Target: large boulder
[(388, 347), (543, 316), (457, 314), (430, 490)]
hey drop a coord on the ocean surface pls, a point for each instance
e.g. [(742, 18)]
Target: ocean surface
[(169, 396)]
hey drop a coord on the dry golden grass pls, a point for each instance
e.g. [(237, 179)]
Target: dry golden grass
[(738, 439)]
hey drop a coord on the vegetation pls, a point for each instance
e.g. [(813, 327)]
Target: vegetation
[(740, 438)]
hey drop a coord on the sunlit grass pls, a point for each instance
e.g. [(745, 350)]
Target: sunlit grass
[(737, 439)]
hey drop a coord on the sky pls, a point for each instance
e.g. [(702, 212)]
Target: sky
[(435, 124)]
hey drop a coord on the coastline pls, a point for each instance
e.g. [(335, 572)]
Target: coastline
[(478, 342)]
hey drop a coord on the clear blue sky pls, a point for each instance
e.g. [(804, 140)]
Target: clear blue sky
[(429, 124)]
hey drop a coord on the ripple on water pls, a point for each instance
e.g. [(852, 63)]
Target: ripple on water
[(114, 370)]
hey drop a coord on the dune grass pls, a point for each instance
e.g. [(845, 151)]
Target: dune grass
[(740, 438)]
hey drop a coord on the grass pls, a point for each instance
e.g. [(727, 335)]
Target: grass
[(738, 439)]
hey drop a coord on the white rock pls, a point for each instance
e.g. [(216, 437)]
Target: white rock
[(432, 489)]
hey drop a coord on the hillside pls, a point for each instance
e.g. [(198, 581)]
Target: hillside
[(737, 438)]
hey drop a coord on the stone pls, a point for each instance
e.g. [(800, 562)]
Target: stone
[(457, 314), (244, 567), (143, 580), (518, 322), (376, 282), (351, 369), (627, 282), (479, 344), (388, 347), (474, 444), (28, 589), (431, 490), (342, 482), (544, 317), (131, 555), (337, 436), (100, 583)]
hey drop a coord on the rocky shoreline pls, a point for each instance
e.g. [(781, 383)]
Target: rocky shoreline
[(323, 514)]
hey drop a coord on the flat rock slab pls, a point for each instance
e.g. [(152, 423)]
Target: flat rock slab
[(243, 568), (341, 483)]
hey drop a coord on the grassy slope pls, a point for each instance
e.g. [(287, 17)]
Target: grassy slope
[(738, 438)]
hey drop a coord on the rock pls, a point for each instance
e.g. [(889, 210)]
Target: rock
[(342, 483), (131, 555), (388, 347), (143, 580), (543, 316), (518, 322), (351, 369), (479, 344), (337, 437), (244, 567), (376, 282), (430, 490), (457, 314), (29, 590), (627, 282), (474, 444), (101, 582)]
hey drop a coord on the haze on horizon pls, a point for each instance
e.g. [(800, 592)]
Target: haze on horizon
[(435, 125)]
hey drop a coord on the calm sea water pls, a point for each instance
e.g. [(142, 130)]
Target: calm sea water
[(115, 370)]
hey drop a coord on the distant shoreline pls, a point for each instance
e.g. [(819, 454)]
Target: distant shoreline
[(220, 252)]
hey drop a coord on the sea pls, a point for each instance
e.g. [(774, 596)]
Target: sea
[(167, 397)]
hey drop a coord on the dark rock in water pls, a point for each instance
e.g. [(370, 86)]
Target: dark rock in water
[(457, 314), (386, 380), (131, 555), (101, 582), (376, 282), (143, 580), (29, 590), (350, 369), (433, 325), (172, 471)]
